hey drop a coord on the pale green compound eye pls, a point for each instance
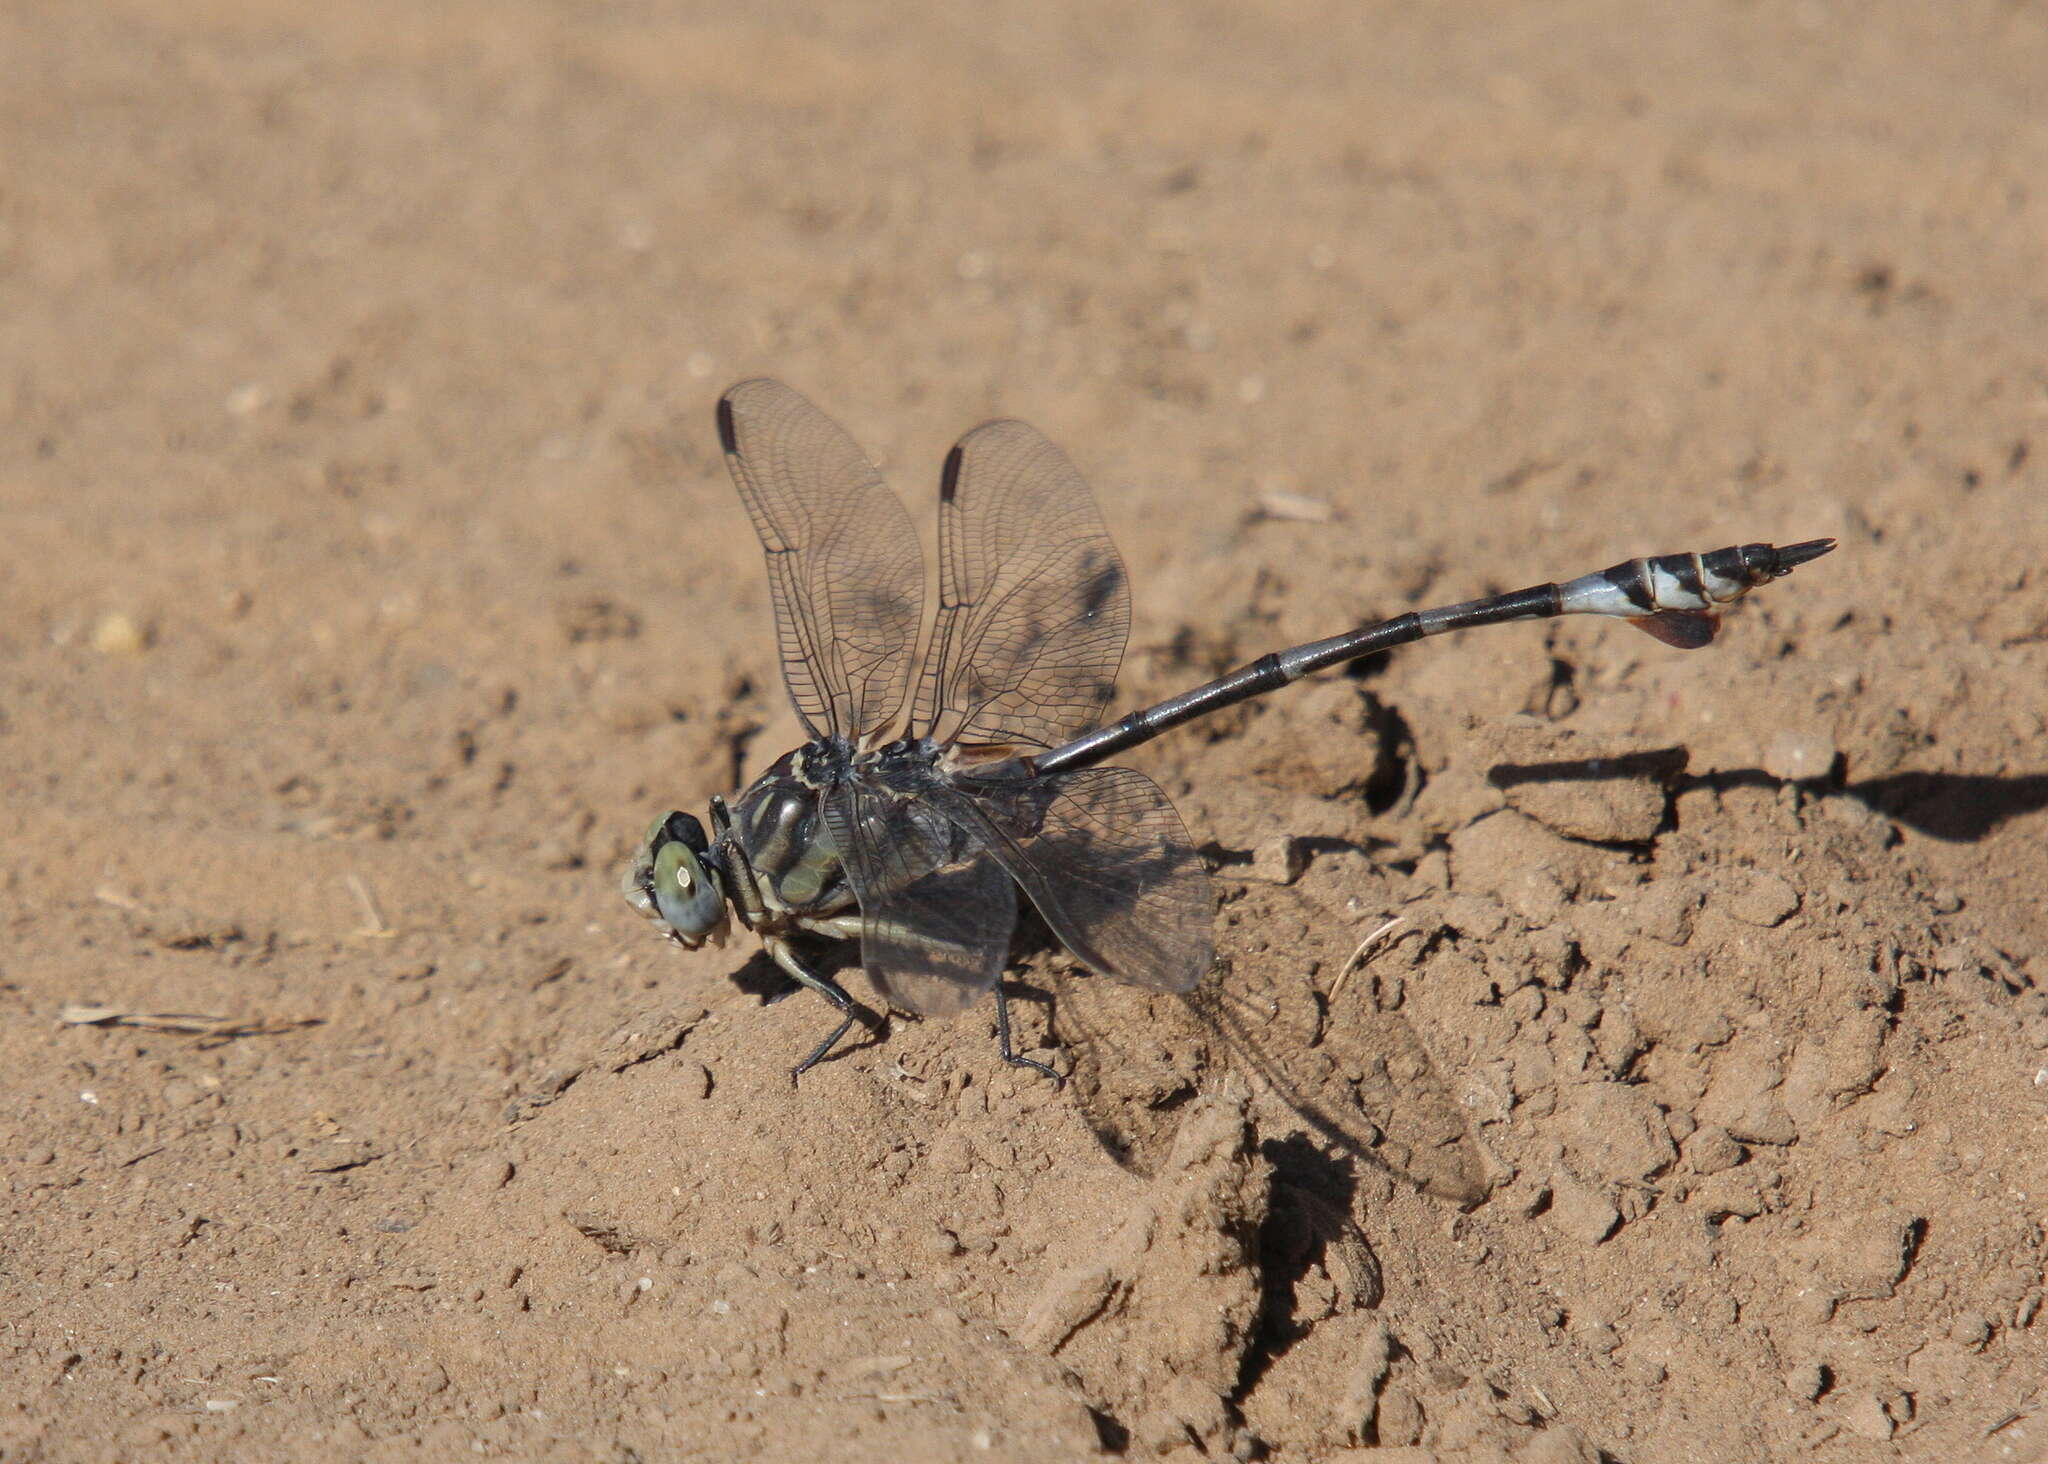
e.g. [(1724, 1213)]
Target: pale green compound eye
[(686, 894), (674, 882)]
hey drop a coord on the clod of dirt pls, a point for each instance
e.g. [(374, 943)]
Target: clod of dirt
[(1712, 1149), (1743, 1097), (1612, 1133), (1666, 907), (593, 617), (1558, 1444), (1327, 745), (1178, 1284), (1731, 1193), (1865, 1415), (1580, 1212), (173, 927), (1798, 753), (1530, 869), (1842, 1063), (1760, 898), (1605, 796), (1866, 1255), (1279, 860), (647, 1037)]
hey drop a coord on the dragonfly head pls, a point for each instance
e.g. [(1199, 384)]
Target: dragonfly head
[(674, 882)]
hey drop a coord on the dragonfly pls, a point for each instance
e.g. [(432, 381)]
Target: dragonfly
[(951, 769)]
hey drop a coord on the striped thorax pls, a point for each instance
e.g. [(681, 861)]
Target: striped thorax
[(790, 850)]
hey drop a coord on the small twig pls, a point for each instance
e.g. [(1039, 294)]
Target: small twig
[(1367, 949), (374, 927), (198, 1024), (555, 970), (2014, 1415), (1294, 508)]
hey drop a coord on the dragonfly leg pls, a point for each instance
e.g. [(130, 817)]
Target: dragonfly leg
[(1010, 1054), (741, 889), (826, 987)]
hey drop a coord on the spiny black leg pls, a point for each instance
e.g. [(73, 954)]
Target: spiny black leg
[(832, 991), (1010, 1055), (855, 1012), (818, 1053)]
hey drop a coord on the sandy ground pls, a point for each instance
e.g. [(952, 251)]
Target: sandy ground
[(371, 580)]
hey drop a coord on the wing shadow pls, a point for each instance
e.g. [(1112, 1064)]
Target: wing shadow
[(1356, 1080)]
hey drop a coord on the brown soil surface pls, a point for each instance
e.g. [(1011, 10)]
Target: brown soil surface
[(371, 579)]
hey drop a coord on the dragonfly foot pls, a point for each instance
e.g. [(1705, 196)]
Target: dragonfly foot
[(1010, 1054), (855, 1012), (1015, 1059)]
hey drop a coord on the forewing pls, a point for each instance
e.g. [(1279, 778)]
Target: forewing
[(936, 911), (844, 567), (1034, 604), (1106, 860)]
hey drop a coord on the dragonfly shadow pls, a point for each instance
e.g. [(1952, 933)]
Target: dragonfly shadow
[(1357, 1079), (1309, 1227), (758, 976), (1356, 1085), (1957, 808), (1136, 1061)]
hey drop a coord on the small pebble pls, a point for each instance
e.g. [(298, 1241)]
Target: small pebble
[(1279, 861), (1711, 1150), (1798, 754), (178, 1093), (1864, 1416), (1806, 1380), (115, 634), (249, 398), (1971, 1329), (1582, 1214)]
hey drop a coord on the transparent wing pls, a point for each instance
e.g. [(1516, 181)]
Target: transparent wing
[(1034, 604), (844, 567), (1106, 860), (936, 911)]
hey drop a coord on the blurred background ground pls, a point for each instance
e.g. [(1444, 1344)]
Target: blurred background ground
[(371, 580)]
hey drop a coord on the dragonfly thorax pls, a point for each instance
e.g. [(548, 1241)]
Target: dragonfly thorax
[(778, 829)]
